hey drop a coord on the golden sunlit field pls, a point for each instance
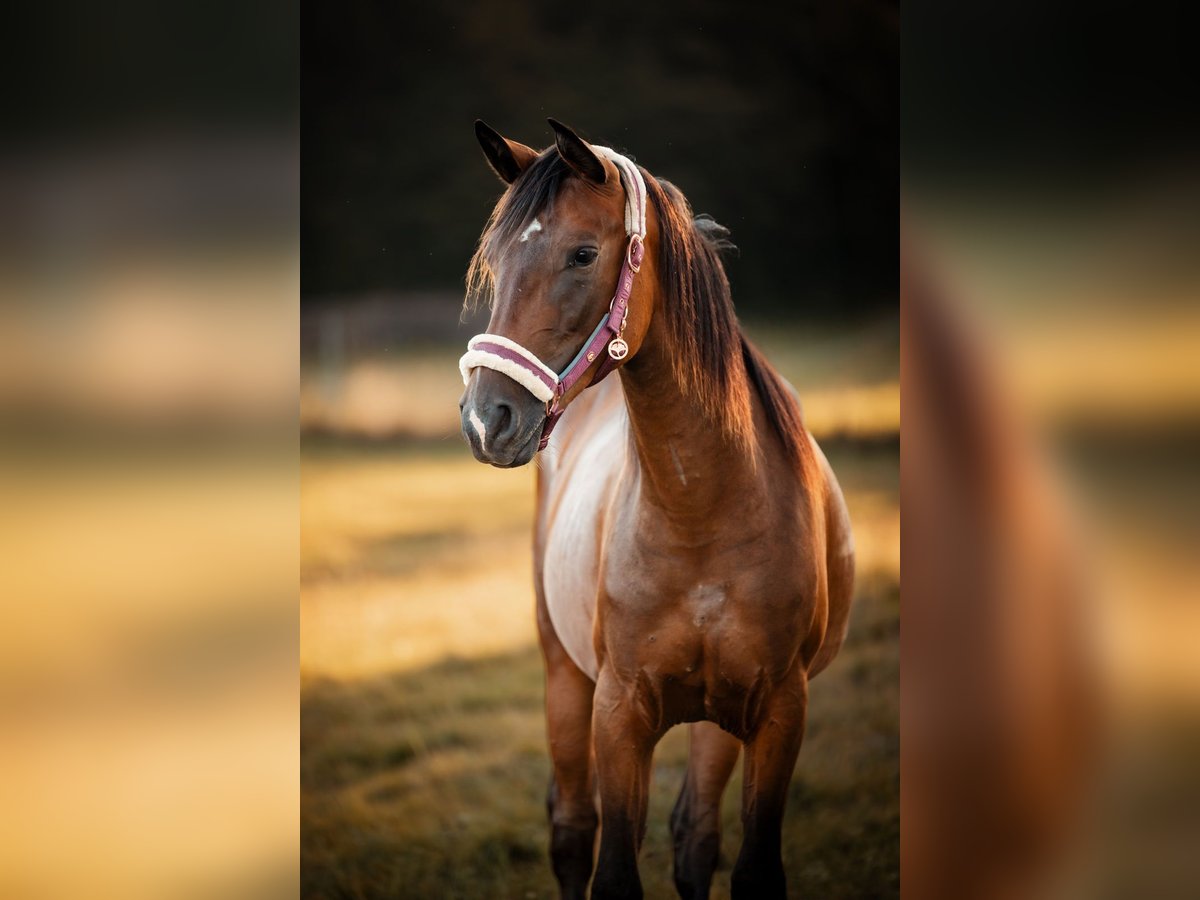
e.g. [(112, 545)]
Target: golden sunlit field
[(848, 378), (424, 763)]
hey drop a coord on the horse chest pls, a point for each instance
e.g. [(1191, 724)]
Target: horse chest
[(570, 571), (706, 622), (702, 658), (709, 652)]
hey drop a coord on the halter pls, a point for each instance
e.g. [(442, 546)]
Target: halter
[(494, 351)]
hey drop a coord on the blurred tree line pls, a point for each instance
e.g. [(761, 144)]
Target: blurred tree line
[(781, 120)]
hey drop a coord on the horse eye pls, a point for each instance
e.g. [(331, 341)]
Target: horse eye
[(584, 256)]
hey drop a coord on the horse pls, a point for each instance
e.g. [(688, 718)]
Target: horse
[(692, 550)]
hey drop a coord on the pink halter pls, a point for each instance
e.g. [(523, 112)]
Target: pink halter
[(506, 356)]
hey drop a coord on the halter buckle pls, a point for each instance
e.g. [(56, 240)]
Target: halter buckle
[(552, 403), (634, 267)]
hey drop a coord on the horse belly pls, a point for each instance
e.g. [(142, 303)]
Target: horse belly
[(577, 499)]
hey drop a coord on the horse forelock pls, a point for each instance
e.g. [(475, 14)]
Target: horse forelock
[(527, 197)]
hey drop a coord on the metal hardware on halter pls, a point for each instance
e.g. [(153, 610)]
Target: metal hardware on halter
[(634, 267), (618, 349)]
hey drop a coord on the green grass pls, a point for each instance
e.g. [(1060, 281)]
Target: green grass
[(427, 778)]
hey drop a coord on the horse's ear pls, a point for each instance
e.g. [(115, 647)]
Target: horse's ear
[(508, 158), (577, 154)]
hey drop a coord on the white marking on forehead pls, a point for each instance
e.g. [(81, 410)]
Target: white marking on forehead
[(480, 428), (532, 228)]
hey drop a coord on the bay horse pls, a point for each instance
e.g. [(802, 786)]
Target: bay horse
[(692, 551)]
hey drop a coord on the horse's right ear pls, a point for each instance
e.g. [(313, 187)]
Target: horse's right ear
[(577, 154), (507, 158)]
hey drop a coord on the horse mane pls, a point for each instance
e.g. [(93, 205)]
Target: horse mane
[(713, 362)]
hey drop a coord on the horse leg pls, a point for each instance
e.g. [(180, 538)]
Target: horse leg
[(570, 802), (771, 753), (624, 738), (696, 818)]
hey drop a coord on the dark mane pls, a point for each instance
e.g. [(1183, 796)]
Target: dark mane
[(713, 361)]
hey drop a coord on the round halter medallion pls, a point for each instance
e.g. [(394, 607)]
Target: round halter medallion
[(617, 348)]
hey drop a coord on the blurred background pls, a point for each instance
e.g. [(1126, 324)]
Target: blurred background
[(424, 762), (1051, 182), (149, 317)]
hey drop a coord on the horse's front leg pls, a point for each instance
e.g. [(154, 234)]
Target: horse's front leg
[(771, 752), (624, 735), (570, 801)]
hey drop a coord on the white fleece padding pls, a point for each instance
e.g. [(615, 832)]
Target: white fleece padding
[(474, 359), (635, 190), (515, 348)]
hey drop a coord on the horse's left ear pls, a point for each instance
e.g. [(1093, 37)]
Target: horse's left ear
[(577, 154)]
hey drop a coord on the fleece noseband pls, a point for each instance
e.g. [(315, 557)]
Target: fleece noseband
[(494, 351)]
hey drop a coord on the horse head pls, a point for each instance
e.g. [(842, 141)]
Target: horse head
[(551, 262)]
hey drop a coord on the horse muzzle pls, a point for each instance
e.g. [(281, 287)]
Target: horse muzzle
[(501, 420)]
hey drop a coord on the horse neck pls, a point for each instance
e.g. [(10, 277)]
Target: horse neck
[(689, 467)]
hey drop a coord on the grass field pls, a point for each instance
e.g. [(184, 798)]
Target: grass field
[(424, 763)]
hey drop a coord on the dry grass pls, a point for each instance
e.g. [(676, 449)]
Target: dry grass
[(424, 762)]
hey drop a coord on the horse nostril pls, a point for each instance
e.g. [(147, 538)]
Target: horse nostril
[(505, 420)]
